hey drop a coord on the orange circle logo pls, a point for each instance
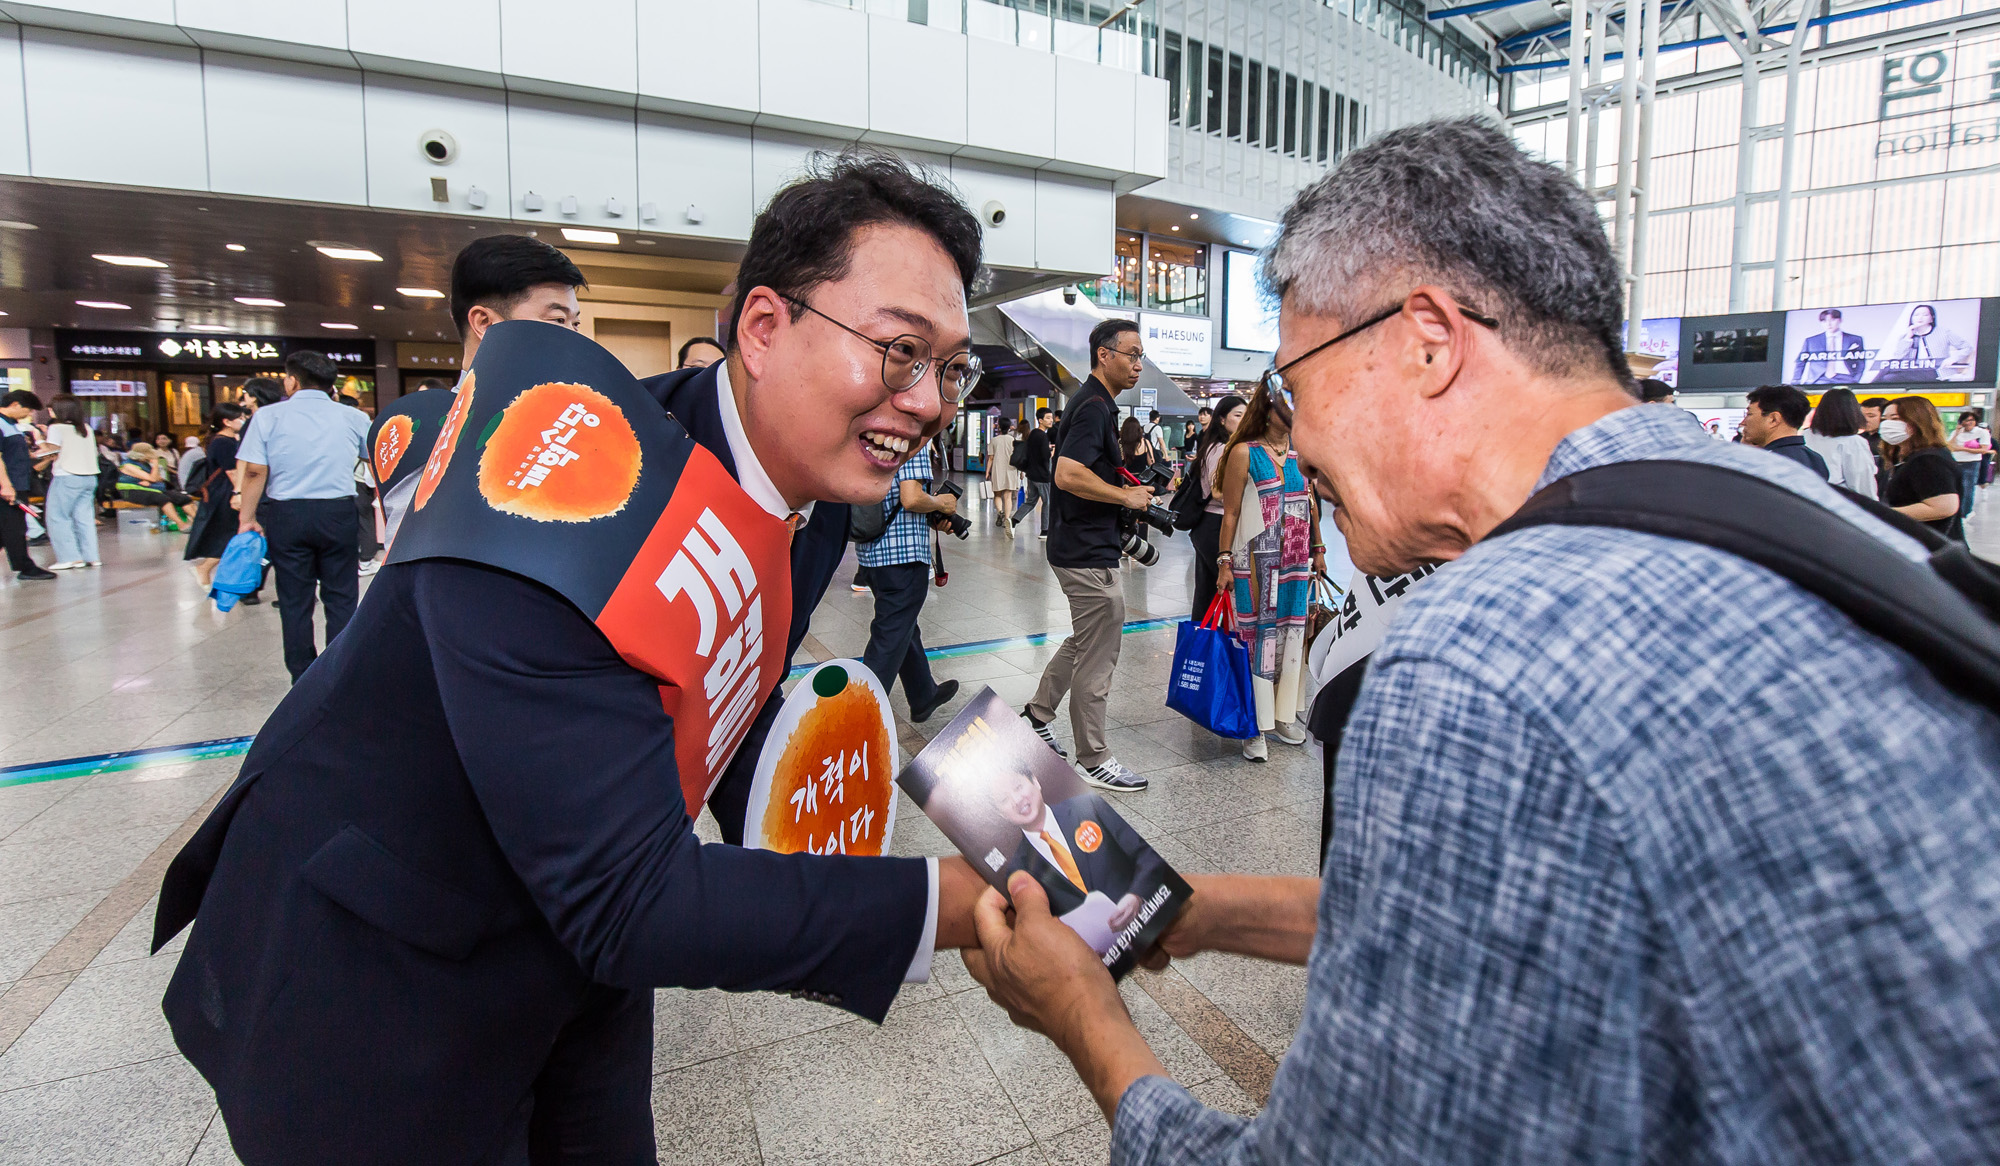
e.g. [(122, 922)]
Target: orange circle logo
[(1089, 836), (561, 453), (447, 441), (391, 444), (834, 785)]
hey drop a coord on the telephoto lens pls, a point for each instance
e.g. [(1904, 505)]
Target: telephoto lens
[(1138, 549)]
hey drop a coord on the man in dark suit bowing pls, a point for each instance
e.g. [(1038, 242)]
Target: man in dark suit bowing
[(429, 915)]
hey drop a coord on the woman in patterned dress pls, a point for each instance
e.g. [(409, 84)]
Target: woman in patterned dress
[(1270, 532)]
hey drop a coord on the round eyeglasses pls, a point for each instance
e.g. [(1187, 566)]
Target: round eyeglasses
[(1274, 385), (906, 358)]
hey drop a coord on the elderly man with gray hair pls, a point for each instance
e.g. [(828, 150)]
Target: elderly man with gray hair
[(1641, 853)]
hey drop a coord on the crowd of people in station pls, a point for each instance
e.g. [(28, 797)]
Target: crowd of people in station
[(1638, 850)]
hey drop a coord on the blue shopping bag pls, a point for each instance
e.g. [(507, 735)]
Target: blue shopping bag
[(1211, 679), (241, 570)]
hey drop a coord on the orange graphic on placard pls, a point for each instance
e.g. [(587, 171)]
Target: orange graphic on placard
[(1089, 836), (447, 441), (831, 790), (561, 453), (391, 444)]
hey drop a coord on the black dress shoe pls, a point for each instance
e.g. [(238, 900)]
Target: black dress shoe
[(251, 600), (34, 573), (945, 692)]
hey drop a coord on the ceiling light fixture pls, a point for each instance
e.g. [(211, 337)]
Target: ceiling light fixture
[(359, 254), (128, 260), (381, 307), (108, 305), (259, 302), (208, 327), (1175, 227), (17, 225), (340, 327), (422, 293), (1193, 216), (234, 247), (586, 235)]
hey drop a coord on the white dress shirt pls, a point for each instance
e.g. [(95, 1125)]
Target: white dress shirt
[(757, 483)]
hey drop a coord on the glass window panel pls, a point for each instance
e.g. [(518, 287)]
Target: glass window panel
[(1971, 270), (1718, 116), (1895, 276), (1713, 174), (1908, 216), (1673, 124), (1672, 178), (1235, 95), (1666, 246), (1710, 236), (1833, 282), (1253, 104), (1972, 211), (1838, 224), (1707, 293), (1213, 116)]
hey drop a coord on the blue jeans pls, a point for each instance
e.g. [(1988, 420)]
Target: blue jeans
[(71, 516), (1968, 486)]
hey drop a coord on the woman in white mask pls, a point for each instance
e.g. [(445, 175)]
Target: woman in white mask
[(1924, 480)]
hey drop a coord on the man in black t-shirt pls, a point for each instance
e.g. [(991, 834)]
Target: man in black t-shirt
[(1083, 549), (1039, 470)]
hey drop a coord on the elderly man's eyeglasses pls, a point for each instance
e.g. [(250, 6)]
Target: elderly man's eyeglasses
[(906, 358), (1274, 384), (1138, 357)]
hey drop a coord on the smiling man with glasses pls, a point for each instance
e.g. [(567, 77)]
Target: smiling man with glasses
[(1641, 853)]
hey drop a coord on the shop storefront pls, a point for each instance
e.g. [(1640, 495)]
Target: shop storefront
[(142, 384)]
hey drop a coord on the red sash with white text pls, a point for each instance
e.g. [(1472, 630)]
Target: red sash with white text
[(555, 464)]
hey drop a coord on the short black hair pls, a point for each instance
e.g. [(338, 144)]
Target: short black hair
[(263, 390), (21, 397), (1875, 403), (499, 269), (1977, 414), (312, 369), (1786, 401), (1101, 337), (1654, 389), (1044, 411), (682, 359), (1837, 414), (805, 236)]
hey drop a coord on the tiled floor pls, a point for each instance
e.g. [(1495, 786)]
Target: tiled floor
[(131, 655)]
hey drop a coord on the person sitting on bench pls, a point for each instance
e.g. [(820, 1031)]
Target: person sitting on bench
[(141, 480)]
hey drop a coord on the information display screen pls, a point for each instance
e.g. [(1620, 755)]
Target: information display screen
[(108, 388), (1247, 324), (1920, 341), (1661, 337)]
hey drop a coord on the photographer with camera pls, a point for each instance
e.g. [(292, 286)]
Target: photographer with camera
[(899, 570), (1084, 547)]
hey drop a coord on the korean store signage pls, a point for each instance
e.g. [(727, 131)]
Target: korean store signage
[(1178, 345), (182, 348)]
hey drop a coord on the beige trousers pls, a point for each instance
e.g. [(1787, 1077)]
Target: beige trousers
[(1082, 666)]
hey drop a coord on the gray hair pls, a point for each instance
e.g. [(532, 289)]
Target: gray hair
[(1457, 203)]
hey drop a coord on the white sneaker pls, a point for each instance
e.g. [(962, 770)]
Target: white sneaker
[(1113, 775), (1255, 750), (66, 566), (370, 567), (1290, 732)]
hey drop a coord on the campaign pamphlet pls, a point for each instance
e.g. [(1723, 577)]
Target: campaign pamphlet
[(822, 784), (1009, 803)]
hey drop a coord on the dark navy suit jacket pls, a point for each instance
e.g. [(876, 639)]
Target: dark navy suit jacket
[(460, 829)]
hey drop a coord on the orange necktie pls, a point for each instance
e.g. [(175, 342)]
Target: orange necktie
[(794, 523), (1063, 859)]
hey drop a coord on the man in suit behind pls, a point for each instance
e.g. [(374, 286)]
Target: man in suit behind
[(1833, 357), (433, 936), (1075, 847)]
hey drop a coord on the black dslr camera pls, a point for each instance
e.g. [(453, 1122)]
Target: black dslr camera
[(958, 525), (1132, 523)]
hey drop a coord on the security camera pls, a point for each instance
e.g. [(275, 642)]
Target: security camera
[(1069, 295), (994, 214), (438, 146)]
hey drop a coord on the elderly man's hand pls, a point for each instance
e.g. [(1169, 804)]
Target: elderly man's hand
[(1049, 980), (1035, 967)]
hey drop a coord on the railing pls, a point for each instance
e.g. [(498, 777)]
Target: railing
[(1123, 34)]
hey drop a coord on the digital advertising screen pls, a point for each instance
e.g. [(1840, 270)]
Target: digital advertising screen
[(1661, 337), (1247, 323), (1916, 342)]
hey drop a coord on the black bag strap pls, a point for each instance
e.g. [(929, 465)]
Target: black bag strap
[(1942, 615)]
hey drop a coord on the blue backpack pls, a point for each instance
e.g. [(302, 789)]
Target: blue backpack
[(240, 572)]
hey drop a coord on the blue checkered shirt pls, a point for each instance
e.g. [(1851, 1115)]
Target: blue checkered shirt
[(1644, 855), (908, 538)]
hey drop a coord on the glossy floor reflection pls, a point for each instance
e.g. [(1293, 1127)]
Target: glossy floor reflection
[(131, 655)]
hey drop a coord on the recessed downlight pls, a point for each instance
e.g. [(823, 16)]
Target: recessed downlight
[(128, 260), (259, 302), (381, 307), (337, 251), (339, 327), (208, 327), (422, 293), (234, 247), (586, 235), (107, 305)]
